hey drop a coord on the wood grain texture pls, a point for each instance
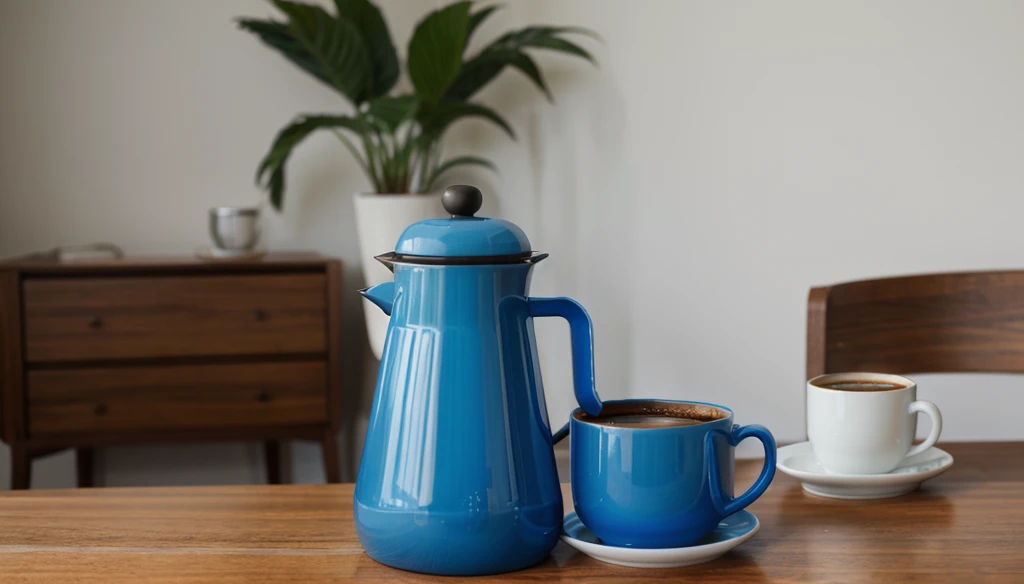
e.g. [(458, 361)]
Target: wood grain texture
[(138, 265), (43, 444), (817, 306), (131, 317), (143, 350), (961, 322), (332, 324), (179, 396), (966, 525), (11, 365), (329, 443)]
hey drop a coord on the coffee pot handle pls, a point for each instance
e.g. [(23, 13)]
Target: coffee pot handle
[(724, 504), (562, 433), (581, 335)]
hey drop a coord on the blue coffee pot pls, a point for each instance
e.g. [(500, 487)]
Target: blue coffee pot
[(458, 473)]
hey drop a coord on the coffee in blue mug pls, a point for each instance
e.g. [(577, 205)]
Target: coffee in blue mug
[(659, 473)]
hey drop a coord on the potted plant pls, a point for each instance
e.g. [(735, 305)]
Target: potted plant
[(395, 137)]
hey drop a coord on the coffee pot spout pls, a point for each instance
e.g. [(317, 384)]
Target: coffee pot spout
[(383, 295)]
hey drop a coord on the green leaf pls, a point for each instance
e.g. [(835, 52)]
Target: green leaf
[(390, 112), (278, 36), (528, 67), (560, 45), (477, 18), (507, 50), (335, 44), (449, 112), (374, 30), (480, 70), (287, 139), (360, 159), (457, 161), (476, 73), (529, 32), (544, 37), (435, 50), (486, 66)]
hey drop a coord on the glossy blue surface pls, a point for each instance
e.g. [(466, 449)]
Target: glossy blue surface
[(382, 295), (514, 312), (734, 526), (462, 237), (458, 475), (660, 487)]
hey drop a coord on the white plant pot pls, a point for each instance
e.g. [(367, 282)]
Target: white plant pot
[(380, 219)]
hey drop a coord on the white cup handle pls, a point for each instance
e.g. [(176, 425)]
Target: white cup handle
[(926, 407)]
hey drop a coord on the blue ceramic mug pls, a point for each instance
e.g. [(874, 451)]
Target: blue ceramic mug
[(640, 483)]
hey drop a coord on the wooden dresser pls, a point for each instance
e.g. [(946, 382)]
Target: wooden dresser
[(168, 350)]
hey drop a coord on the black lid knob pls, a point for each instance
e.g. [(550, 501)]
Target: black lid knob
[(462, 200)]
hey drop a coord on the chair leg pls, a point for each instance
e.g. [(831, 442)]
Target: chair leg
[(84, 465), (332, 466), (272, 458), (21, 468)]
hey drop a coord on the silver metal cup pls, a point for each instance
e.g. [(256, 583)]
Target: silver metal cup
[(235, 229)]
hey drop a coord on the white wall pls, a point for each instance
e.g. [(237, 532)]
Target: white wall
[(735, 154), (725, 157)]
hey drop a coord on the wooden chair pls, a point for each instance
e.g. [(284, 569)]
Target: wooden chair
[(960, 322)]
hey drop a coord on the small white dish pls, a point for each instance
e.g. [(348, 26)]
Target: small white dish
[(214, 253), (798, 461), (731, 532)]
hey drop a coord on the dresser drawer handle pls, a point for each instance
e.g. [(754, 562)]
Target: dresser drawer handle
[(100, 409), (95, 322), (263, 397), (259, 315)]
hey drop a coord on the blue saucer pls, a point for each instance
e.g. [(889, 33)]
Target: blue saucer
[(731, 532)]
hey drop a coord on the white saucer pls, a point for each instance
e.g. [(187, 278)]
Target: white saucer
[(798, 461), (213, 253), (731, 532)]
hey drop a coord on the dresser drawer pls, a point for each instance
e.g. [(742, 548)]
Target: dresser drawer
[(78, 319), (176, 397)]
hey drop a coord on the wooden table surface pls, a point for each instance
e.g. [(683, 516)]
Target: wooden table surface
[(966, 525)]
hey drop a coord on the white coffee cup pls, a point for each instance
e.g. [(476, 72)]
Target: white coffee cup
[(866, 427)]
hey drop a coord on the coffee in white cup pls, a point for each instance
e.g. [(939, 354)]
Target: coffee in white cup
[(864, 423)]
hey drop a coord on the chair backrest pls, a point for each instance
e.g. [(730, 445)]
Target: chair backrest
[(971, 321)]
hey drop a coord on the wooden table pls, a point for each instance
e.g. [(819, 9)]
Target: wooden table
[(966, 525)]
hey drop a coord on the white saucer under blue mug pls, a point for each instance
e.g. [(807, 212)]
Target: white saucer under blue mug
[(798, 461), (731, 532)]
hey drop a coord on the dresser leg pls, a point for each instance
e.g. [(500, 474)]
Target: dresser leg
[(84, 465), (21, 468), (272, 458), (332, 467)]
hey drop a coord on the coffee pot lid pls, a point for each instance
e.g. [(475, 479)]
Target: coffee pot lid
[(463, 235)]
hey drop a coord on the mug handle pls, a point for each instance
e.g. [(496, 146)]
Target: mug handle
[(926, 407), (723, 503)]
